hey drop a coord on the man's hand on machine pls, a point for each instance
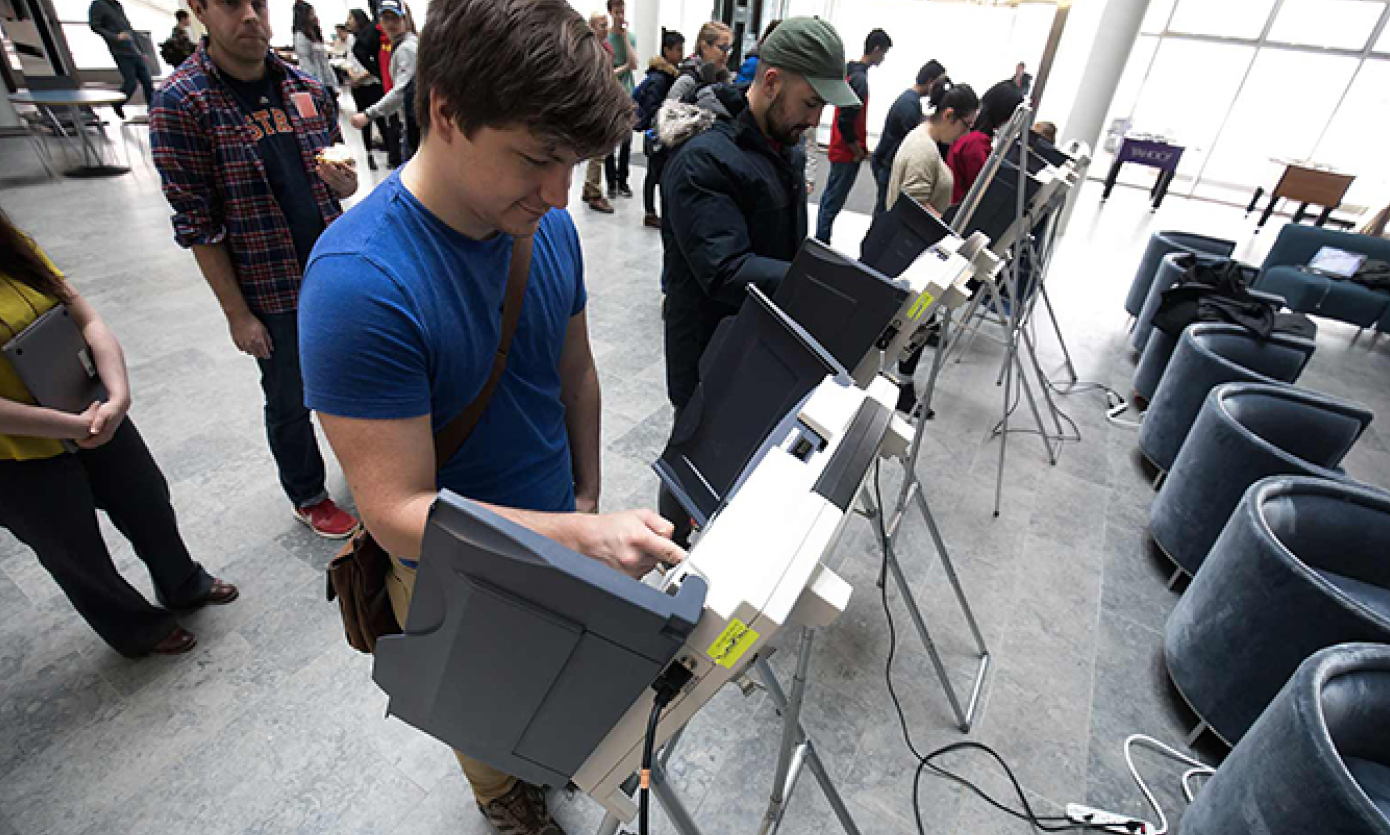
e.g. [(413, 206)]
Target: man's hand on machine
[(633, 541)]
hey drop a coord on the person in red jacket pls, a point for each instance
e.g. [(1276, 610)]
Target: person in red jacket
[(970, 153), (849, 141)]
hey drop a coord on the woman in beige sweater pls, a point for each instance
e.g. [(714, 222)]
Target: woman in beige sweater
[(919, 169)]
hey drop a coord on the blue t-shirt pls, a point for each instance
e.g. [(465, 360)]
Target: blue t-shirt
[(400, 316)]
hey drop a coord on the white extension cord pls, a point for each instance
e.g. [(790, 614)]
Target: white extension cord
[(1197, 768), (1124, 824), (1116, 406)]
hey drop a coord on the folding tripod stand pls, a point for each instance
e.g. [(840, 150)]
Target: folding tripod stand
[(796, 752), (1013, 305)]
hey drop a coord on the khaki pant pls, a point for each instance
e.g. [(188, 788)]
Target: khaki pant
[(488, 783), (593, 179)]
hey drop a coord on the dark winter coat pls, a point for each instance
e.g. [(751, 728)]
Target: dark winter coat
[(735, 215)]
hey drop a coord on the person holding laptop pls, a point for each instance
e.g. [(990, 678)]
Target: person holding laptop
[(58, 468)]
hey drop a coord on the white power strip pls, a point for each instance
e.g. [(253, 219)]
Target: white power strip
[(1111, 822)]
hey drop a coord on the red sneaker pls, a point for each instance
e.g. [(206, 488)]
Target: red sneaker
[(327, 520)]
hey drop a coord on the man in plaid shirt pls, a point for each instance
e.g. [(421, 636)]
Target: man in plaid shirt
[(237, 136)]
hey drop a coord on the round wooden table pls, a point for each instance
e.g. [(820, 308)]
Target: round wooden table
[(73, 101)]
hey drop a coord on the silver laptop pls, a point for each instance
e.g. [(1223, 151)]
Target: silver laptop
[(1336, 263), (55, 362)]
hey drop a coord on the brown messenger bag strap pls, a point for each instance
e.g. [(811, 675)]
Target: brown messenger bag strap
[(451, 437)]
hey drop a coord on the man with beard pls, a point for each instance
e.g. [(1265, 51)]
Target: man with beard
[(734, 193)]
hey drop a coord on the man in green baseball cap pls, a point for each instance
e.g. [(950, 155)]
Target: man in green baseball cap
[(810, 47), (734, 194)]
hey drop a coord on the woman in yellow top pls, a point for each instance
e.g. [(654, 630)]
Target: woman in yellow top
[(49, 497)]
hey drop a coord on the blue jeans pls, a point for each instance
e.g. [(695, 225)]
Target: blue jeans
[(837, 187), (287, 423), (882, 174), (135, 73)]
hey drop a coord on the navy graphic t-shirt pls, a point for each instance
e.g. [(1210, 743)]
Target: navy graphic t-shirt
[(264, 106)]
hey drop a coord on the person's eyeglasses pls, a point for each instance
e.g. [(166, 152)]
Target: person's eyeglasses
[(724, 47)]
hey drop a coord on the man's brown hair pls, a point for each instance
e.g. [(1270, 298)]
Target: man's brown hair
[(521, 63)]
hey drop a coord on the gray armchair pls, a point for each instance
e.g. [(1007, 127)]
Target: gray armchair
[(1246, 432), (1170, 271), (1208, 355), (1160, 244), (1158, 351), (1318, 759), (1301, 565)]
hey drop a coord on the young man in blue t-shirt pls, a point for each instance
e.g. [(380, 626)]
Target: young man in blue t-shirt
[(400, 313)]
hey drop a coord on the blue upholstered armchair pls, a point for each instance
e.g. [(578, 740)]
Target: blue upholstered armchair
[(1300, 566), (1246, 432), (1160, 244), (1208, 355), (1318, 759)]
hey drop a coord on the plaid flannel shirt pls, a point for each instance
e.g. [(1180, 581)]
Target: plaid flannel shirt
[(214, 178)]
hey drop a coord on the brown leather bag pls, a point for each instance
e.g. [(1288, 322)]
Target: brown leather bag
[(357, 575)]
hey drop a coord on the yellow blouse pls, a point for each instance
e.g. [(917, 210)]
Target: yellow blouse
[(20, 305)]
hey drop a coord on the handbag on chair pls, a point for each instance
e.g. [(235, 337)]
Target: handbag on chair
[(357, 575)]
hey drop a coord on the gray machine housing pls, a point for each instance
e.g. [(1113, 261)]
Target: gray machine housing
[(584, 642)]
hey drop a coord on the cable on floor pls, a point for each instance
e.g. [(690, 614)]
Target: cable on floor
[(1198, 768), (1046, 823)]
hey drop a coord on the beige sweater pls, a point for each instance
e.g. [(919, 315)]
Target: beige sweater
[(920, 172)]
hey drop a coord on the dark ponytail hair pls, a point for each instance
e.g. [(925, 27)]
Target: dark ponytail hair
[(958, 98), (23, 263), (671, 38), (997, 107)]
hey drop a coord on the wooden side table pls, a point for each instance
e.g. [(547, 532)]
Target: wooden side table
[(1318, 185)]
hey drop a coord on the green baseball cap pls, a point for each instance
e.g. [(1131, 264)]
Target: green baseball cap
[(810, 47)]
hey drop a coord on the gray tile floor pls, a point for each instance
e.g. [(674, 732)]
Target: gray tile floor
[(273, 724)]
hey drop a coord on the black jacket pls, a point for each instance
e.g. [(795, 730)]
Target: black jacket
[(652, 91), (366, 48), (107, 18), (735, 211)]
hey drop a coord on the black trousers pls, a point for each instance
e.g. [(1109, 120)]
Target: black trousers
[(51, 506), (615, 166), (656, 164), (363, 98), (669, 507)]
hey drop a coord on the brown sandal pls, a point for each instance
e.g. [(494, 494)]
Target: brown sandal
[(177, 643)]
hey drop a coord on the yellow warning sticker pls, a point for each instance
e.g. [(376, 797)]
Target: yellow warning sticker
[(732, 643), (923, 302)]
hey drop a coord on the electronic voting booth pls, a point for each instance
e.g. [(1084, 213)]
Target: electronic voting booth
[(768, 459)]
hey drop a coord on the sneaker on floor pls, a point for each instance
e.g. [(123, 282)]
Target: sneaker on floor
[(521, 811), (624, 190), (327, 520), (599, 204)]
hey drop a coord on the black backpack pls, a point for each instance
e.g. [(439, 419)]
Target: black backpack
[(176, 49)]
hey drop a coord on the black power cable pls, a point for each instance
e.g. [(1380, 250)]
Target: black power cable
[(1045, 823), (644, 788), (667, 685)]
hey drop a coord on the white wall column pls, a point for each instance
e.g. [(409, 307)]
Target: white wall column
[(646, 25), (1114, 40)]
